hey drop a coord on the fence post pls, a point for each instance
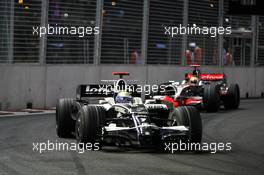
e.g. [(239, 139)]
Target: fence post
[(254, 44), (145, 24), (43, 39), (185, 24), (11, 34), (98, 37), (220, 37)]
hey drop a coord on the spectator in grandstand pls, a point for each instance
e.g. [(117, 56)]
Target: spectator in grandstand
[(192, 47), (228, 59), (188, 57), (224, 55), (198, 55), (194, 55), (215, 56), (134, 57)]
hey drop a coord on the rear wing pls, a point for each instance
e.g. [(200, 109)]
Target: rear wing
[(94, 90), (208, 77), (102, 90), (121, 74)]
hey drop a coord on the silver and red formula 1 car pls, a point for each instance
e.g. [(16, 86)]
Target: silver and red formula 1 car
[(203, 90)]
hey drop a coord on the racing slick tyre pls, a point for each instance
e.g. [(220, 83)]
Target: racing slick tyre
[(211, 98), (89, 123), (76, 106), (232, 101), (188, 116), (64, 122)]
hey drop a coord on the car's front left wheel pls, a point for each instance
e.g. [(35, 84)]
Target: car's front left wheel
[(90, 120)]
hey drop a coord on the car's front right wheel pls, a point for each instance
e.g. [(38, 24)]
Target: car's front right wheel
[(64, 122), (190, 117), (232, 100)]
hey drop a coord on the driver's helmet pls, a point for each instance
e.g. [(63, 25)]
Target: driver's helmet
[(196, 73), (123, 97), (194, 80)]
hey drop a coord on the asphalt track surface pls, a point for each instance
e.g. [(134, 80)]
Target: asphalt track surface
[(244, 128)]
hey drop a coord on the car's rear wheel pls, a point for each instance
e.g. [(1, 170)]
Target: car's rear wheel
[(232, 100), (64, 122), (190, 117), (211, 98), (90, 120)]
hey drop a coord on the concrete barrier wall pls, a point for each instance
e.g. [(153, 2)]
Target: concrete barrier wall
[(43, 85)]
